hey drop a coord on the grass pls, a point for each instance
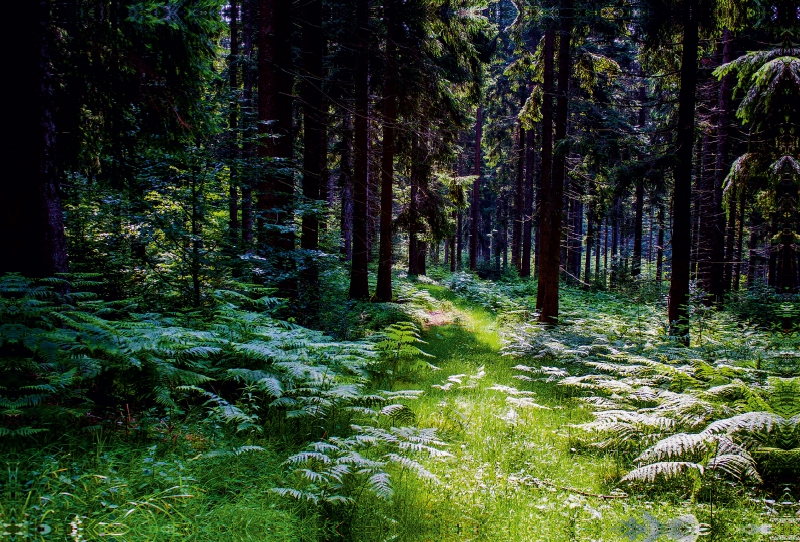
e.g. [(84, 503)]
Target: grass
[(515, 473)]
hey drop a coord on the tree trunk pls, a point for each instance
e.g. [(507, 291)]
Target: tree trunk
[(383, 291), (723, 162), (551, 242), (636, 264), (660, 247), (546, 177), (476, 193), (249, 16), (311, 94), (530, 157), (359, 285), (678, 310), (737, 256), (276, 187), (587, 266), (519, 203), (32, 238), (233, 125)]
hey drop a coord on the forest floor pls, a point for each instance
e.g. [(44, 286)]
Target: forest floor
[(516, 471), (516, 474)]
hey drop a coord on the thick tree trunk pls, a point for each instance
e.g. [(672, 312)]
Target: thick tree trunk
[(546, 176), (32, 238), (476, 193), (549, 270), (311, 94), (249, 17), (383, 291), (678, 310), (276, 187), (359, 285)]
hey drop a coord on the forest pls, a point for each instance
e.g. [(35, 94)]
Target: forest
[(401, 270)]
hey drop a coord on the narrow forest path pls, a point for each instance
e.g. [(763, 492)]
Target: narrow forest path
[(514, 474)]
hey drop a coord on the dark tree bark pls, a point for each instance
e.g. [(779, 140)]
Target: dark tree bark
[(723, 162), (587, 266), (311, 94), (660, 244), (678, 310), (233, 125), (519, 203), (359, 285), (575, 232), (553, 206), (530, 157), (476, 193), (636, 264), (546, 176), (737, 255), (383, 291), (249, 17), (32, 239), (276, 188)]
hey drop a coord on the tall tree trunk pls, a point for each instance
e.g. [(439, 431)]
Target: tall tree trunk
[(587, 266), (233, 125), (476, 192), (519, 203), (636, 264), (660, 247), (314, 149), (678, 310), (737, 255), (546, 176), (276, 188), (413, 245), (311, 94), (383, 291), (452, 242), (359, 285), (553, 206), (32, 238), (530, 157), (725, 120), (249, 17), (575, 235)]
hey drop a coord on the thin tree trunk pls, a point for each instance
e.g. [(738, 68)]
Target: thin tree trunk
[(233, 125), (723, 161), (359, 285), (530, 157), (737, 256), (660, 248), (636, 264), (519, 203), (383, 291), (476, 195), (678, 310)]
